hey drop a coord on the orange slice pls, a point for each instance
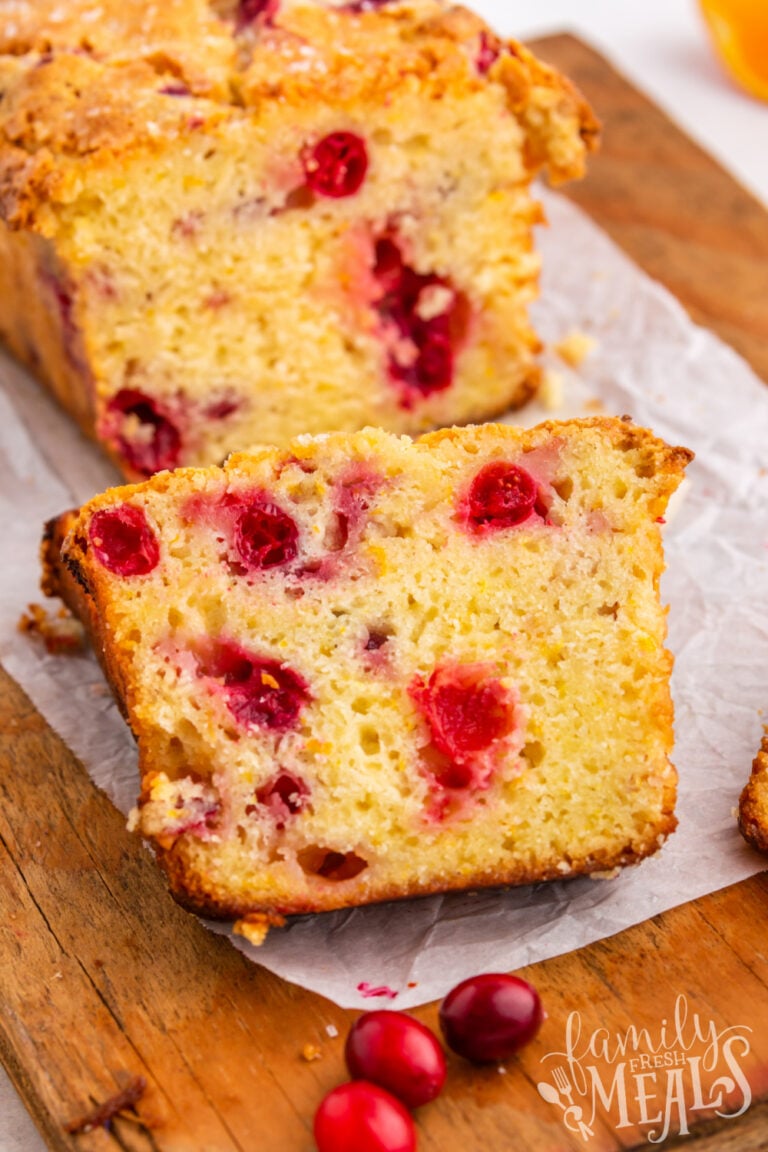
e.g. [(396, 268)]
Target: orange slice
[(739, 29)]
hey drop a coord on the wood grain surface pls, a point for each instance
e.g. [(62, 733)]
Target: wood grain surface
[(105, 980)]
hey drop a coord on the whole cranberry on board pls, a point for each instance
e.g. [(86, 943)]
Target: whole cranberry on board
[(398, 1053), (361, 1117), (490, 1017)]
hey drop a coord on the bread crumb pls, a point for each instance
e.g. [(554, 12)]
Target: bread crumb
[(332, 1030), (61, 633), (596, 405), (575, 347), (255, 926), (551, 390), (608, 874), (311, 1052)]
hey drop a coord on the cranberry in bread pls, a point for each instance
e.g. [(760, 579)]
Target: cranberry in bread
[(362, 667), (225, 223)]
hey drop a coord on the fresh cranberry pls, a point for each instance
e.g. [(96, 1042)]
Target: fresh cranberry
[(337, 165), (155, 444), (253, 11), (361, 1117), (123, 540), (397, 1053), (429, 366), (467, 710), (502, 496), (284, 795), (490, 1017), (488, 53), (261, 693), (264, 536)]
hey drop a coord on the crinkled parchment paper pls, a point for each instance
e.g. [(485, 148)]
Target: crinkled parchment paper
[(651, 362)]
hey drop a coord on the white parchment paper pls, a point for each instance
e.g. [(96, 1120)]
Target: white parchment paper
[(651, 362)]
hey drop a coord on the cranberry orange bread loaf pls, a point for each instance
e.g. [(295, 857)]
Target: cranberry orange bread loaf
[(753, 803), (363, 667), (227, 223)]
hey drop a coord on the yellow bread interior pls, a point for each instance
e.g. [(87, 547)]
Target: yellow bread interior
[(157, 235), (562, 611)]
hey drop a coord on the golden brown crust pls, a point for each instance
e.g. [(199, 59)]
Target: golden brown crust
[(753, 803), (188, 889), (78, 93)]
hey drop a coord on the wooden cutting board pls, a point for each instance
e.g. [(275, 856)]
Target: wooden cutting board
[(105, 980)]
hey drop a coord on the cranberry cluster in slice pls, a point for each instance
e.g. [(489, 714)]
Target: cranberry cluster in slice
[(284, 796), (143, 432), (264, 535), (423, 320), (469, 712), (337, 165), (123, 540), (502, 495), (260, 692)]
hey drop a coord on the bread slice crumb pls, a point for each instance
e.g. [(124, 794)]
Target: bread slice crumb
[(575, 347)]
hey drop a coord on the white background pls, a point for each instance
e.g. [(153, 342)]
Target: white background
[(662, 46)]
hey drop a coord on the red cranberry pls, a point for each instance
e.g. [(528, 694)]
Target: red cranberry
[(433, 339), (376, 640), (123, 540), (264, 536), (284, 795), (337, 165), (360, 1117), (490, 1017), (467, 711), (157, 442), (502, 495), (177, 89), (252, 11), (261, 693), (397, 1053), (488, 53)]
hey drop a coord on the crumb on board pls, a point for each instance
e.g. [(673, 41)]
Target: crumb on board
[(61, 633), (103, 1114), (596, 405), (255, 926), (575, 347), (550, 392), (311, 1052)]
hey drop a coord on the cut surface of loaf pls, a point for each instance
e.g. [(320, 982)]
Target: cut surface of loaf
[(753, 803), (365, 667), (227, 223)]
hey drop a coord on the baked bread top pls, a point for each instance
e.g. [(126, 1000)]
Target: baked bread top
[(78, 92)]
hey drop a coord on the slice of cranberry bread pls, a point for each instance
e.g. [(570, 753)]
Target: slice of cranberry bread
[(364, 667), (227, 223), (753, 803)]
